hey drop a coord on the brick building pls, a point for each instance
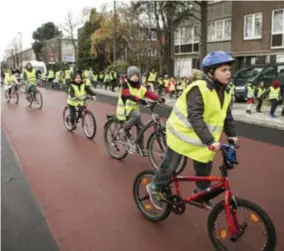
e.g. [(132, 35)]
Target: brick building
[(258, 35), (186, 41)]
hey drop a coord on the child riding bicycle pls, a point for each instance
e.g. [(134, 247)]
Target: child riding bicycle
[(77, 89), (196, 123), (30, 77), (131, 95)]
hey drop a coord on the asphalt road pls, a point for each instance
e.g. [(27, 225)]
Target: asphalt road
[(84, 198)]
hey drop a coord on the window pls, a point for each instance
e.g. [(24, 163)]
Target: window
[(269, 72), (153, 35), (280, 70), (277, 36), (253, 26), (219, 30), (186, 40)]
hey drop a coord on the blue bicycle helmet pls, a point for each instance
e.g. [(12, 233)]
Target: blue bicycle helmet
[(215, 59)]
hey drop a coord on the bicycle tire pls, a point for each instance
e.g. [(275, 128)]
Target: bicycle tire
[(166, 212), (87, 112), (106, 128), (41, 99), (150, 145), (16, 96), (20, 88), (65, 110), (219, 208)]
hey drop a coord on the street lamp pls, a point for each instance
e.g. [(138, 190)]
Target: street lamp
[(21, 48)]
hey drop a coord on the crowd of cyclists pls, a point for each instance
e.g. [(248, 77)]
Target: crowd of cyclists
[(200, 115)]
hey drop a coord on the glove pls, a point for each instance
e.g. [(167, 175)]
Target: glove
[(214, 147), (94, 98), (162, 101), (143, 102)]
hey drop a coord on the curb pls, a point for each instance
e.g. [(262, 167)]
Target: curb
[(237, 117)]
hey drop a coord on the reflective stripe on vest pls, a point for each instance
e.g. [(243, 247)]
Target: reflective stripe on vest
[(180, 135), (152, 77), (274, 93), (79, 92), (124, 109), (10, 78), (31, 76)]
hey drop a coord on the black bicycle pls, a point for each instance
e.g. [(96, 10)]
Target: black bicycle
[(131, 145), (34, 97), (86, 116), (13, 98)]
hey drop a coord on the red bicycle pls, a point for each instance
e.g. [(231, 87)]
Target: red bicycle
[(234, 229)]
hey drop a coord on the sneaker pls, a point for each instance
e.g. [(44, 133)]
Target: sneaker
[(207, 203), (155, 196)]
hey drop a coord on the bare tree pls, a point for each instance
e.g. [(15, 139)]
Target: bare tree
[(70, 28)]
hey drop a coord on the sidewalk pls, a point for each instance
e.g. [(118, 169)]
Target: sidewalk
[(239, 114)]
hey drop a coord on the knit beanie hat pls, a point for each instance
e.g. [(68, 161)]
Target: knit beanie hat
[(131, 70)]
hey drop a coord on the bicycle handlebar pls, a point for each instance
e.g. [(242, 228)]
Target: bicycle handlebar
[(152, 104), (83, 98)]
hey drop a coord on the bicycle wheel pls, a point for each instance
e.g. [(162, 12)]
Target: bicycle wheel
[(256, 216), (22, 88), (15, 97), (37, 99), (89, 124), (112, 140), (6, 95), (157, 140), (67, 119), (148, 210)]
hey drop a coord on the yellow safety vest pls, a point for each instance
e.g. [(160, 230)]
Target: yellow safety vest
[(58, 75), (260, 92), (274, 93), (50, 74), (31, 76), (152, 77), (179, 132), (79, 92), (68, 74), (160, 81), (166, 82), (95, 77), (124, 109), (250, 93), (10, 78), (88, 82)]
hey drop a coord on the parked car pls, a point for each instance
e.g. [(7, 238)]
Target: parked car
[(255, 74)]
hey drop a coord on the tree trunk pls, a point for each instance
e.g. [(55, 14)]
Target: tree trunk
[(203, 35)]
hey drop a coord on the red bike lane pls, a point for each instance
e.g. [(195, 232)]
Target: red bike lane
[(86, 196)]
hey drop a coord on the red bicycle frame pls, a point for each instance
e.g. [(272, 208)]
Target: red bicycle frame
[(215, 189)]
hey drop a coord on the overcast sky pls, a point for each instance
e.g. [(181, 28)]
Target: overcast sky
[(17, 16)]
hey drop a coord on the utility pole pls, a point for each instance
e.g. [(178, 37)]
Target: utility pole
[(114, 33)]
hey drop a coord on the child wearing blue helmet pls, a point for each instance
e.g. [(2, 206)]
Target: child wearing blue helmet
[(196, 123)]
